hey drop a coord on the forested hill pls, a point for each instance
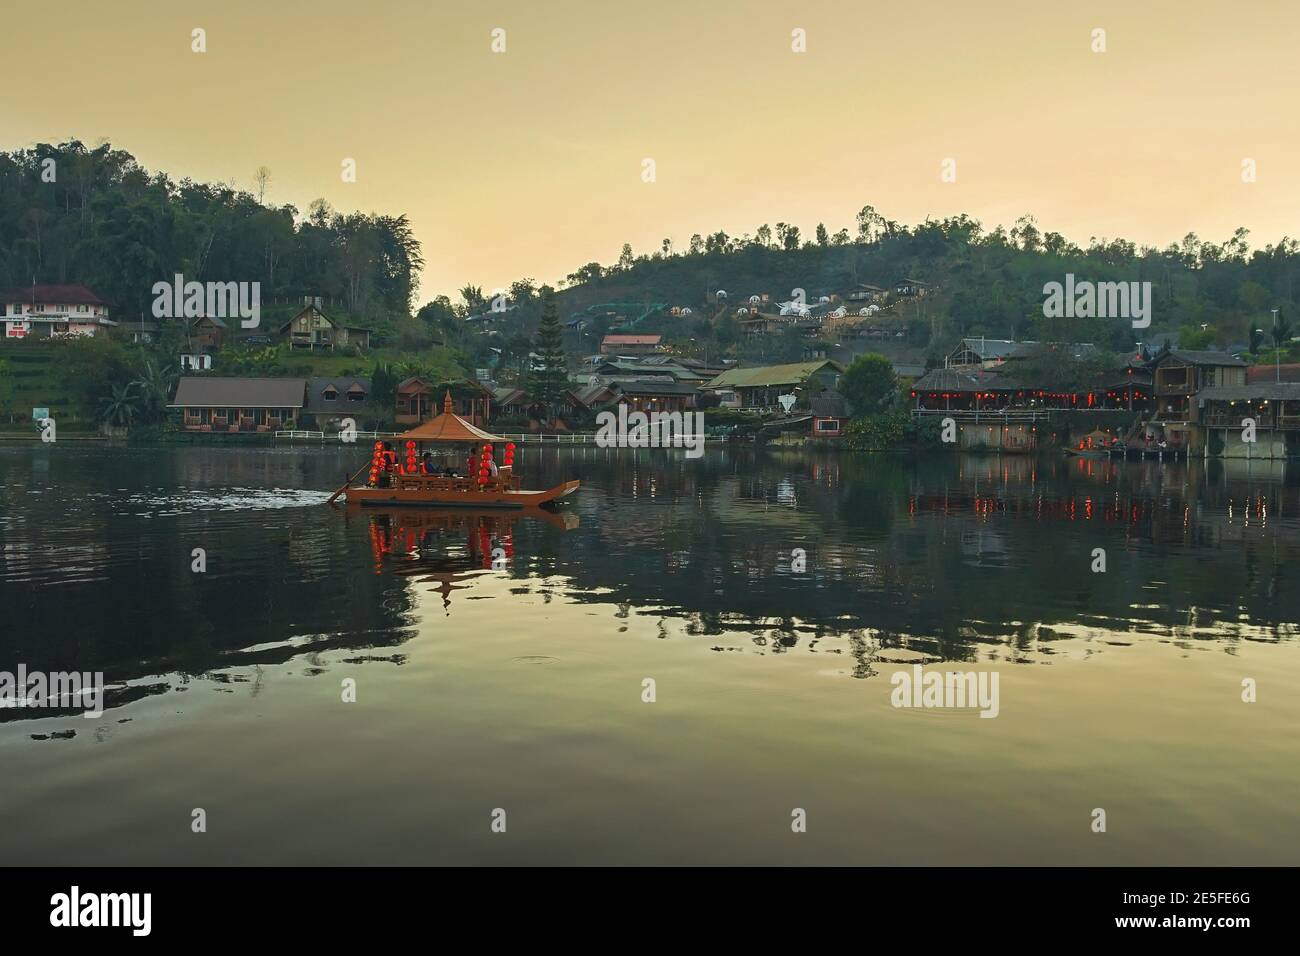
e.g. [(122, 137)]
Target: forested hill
[(97, 217)]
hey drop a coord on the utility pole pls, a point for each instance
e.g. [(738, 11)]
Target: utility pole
[(1277, 351)]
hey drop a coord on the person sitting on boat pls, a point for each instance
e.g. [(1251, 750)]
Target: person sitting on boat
[(390, 457), (492, 467), (427, 467)]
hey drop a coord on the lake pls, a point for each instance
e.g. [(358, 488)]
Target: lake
[(693, 661)]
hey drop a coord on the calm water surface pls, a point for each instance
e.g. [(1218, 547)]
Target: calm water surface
[(499, 663)]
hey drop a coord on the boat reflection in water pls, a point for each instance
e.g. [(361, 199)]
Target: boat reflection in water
[(449, 546)]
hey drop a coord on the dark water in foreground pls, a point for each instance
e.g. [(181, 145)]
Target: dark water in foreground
[(500, 663)]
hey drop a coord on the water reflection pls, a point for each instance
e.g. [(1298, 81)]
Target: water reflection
[(964, 558), (449, 546)]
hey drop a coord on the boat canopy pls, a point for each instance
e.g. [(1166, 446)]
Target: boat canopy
[(448, 427)]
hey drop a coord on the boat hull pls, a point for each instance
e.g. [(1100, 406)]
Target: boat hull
[(502, 499)]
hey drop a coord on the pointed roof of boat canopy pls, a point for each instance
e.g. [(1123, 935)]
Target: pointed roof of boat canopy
[(448, 427)]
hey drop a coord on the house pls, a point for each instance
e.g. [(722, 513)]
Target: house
[(655, 395), (513, 402), (54, 311), (1180, 374), (195, 361), (313, 329), (208, 333), (911, 288), (1259, 374), (140, 332), (1272, 408), (829, 413), (981, 391), (331, 400), (209, 404), (759, 389), (624, 344), (989, 353), (420, 399), (865, 293)]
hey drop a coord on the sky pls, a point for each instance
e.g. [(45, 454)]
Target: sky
[(530, 162)]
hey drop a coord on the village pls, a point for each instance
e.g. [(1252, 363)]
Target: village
[(1002, 395)]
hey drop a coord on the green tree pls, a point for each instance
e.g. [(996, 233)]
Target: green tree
[(154, 388), (869, 384), (120, 407), (549, 376)]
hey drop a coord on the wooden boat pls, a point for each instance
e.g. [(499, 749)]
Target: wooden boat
[(405, 487), (435, 492)]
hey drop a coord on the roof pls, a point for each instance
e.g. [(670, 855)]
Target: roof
[(507, 394), (954, 380), (1191, 357), (1271, 373), (829, 406), (616, 339), (792, 374), (206, 390), (53, 295), (1272, 391), (317, 403), (1008, 349), (219, 323), (659, 365), (908, 370), (590, 393), (448, 427), (334, 324), (656, 386)]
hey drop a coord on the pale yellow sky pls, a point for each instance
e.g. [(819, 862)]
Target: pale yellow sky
[(528, 162)]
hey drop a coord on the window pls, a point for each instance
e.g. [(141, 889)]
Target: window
[(357, 396), (329, 394), (828, 424)]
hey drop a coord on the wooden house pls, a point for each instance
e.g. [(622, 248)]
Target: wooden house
[(209, 404), (420, 399), (313, 329)]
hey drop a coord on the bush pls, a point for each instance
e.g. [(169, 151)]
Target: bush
[(884, 432)]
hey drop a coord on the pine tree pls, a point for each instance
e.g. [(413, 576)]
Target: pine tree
[(550, 376)]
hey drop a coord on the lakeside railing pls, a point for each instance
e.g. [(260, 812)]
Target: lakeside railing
[(522, 438), (1002, 416)]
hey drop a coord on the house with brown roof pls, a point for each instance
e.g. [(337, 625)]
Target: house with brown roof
[(331, 400), (53, 311), (626, 344), (228, 405), (420, 399), (1180, 374), (313, 329)]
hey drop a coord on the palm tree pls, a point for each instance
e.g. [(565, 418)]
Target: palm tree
[(155, 385), (119, 408)]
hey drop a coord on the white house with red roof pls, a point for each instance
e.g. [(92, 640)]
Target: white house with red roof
[(48, 311)]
